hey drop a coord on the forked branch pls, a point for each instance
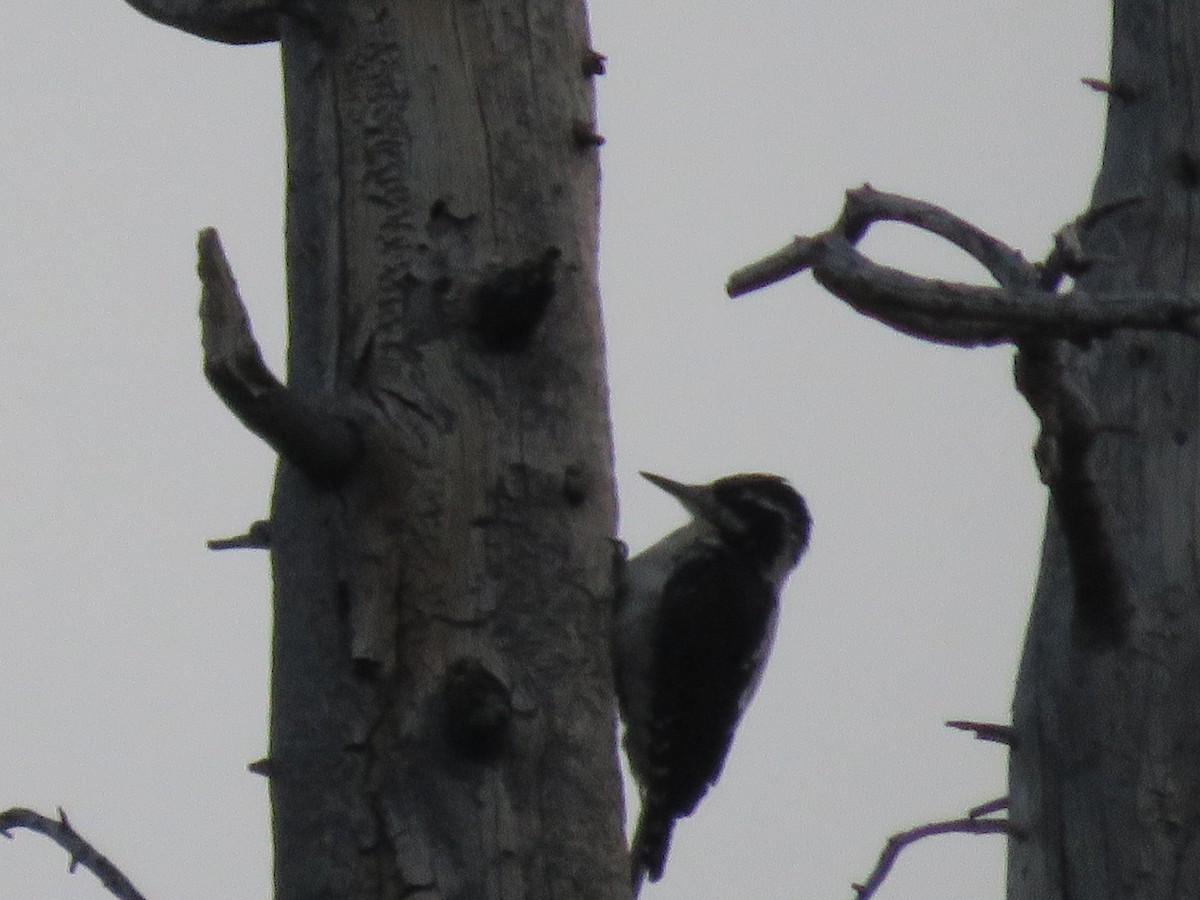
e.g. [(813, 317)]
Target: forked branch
[(1025, 308), (1023, 305), (81, 853)]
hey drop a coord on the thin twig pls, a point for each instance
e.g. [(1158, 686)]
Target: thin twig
[(986, 809), (81, 853), (897, 842)]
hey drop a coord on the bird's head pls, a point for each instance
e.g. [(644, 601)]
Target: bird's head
[(758, 514)]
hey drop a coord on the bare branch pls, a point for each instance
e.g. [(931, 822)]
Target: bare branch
[(80, 851), (791, 259), (964, 315), (987, 731), (321, 443), (865, 206), (227, 21), (952, 312), (897, 842)]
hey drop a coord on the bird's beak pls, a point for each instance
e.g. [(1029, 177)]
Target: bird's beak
[(696, 498)]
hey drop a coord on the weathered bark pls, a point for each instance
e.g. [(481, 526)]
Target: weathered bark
[(1105, 777), (442, 717)]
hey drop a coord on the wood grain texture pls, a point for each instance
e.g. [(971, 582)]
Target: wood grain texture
[(430, 153)]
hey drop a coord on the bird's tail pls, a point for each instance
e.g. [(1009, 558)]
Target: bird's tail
[(651, 841)]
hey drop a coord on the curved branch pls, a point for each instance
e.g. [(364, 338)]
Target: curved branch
[(324, 445), (80, 851), (227, 21), (897, 842), (1025, 310), (865, 206), (952, 312)]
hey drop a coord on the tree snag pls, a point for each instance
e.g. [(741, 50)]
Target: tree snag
[(1105, 765), (442, 711)]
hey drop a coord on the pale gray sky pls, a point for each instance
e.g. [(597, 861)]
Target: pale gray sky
[(135, 662)]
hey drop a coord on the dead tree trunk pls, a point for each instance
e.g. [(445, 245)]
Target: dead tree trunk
[(1106, 774), (1105, 768), (442, 719)]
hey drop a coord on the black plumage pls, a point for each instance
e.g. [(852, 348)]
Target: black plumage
[(706, 647), (694, 626)]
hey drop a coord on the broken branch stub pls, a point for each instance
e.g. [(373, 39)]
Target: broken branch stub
[(323, 443)]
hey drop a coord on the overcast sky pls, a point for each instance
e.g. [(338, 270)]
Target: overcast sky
[(134, 662)]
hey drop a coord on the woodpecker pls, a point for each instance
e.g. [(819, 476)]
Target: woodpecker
[(694, 624)]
